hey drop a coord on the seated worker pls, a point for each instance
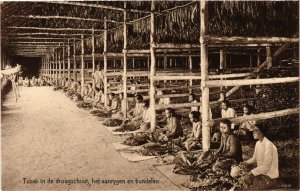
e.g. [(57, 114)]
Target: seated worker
[(193, 139), (114, 103), (228, 154), (246, 127), (40, 81), (226, 111), (173, 129), (145, 126), (163, 100), (137, 111), (67, 83), (33, 81), (265, 157), (88, 93), (135, 118), (230, 144), (74, 85), (20, 81), (97, 99), (77, 95), (26, 82), (192, 99)]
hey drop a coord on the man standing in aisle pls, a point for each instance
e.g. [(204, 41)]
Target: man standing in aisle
[(98, 77)]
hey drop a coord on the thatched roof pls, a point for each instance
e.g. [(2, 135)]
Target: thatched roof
[(180, 25)]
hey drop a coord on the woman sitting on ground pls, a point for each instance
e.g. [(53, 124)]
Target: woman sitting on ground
[(192, 99), (26, 82), (33, 81), (193, 140), (140, 121), (173, 129), (228, 154), (265, 173), (88, 93), (246, 127), (163, 100)]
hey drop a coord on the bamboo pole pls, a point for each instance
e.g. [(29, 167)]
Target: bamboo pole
[(248, 40), (63, 60), (74, 61), (279, 51), (82, 65), (259, 117), (124, 101), (152, 69), (190, 61), (98, 6), (55, 29), (269, 57), (243, 82), (56, 64), (204, 77), (58, 17), (93, 58), (69, 60), (105, 61)]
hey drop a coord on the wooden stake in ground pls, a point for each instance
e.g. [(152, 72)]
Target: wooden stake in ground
[(74, 64), (204, 77), (93, 59), (124, 101), (69, 61), (152, 69), (82, 65), (105, 62)]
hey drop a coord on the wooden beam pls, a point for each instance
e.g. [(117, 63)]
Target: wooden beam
[(204, 76), (42, 33), (125, 62), (61, 17), (243, 82), (152, 68), (98, 6), (258, 117), (93, 58), (69, 61), (82, 65), (269, 57), (54, 29), (105, 61), (74, 61), (249, 40)]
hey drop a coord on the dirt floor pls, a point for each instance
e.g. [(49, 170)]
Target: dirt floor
[(46, 137)]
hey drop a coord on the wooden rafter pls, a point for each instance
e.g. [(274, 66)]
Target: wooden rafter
[(61, 17), (98, 6), (55, 29)]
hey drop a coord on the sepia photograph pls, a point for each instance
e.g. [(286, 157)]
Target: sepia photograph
[(149, 95)]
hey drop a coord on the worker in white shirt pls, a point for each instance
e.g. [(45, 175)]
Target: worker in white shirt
[(265, 156)]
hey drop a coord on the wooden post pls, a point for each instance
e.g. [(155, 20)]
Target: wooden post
[(269, 57), (63, 62), (74, 59), (204, 77), (190, 62), (56, 64), (222, 64), (105, 61), (82, 64), (152, 69), (69, 61), (93, 58), (124, 101), (59, 62)]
